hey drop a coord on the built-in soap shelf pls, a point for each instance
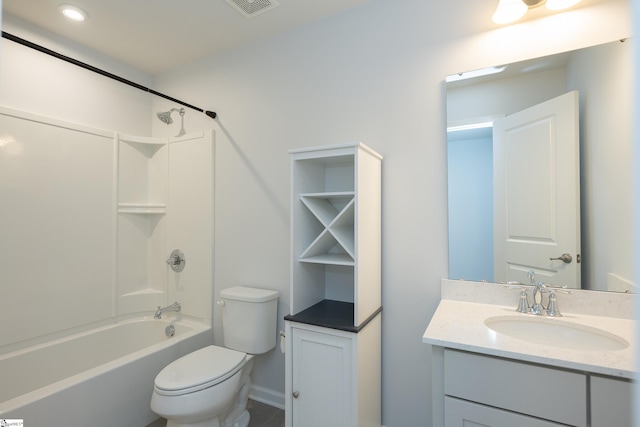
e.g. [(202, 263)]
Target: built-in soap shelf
[(142, 194), (142, 208), (148, 291), (335, 243)]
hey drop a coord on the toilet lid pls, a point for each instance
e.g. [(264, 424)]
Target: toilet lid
[(199, 370)]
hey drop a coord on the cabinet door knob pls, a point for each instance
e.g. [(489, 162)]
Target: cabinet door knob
[(295, 394)]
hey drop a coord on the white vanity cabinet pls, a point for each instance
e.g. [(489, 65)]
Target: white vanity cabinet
[(483, 377), (333, 334), (497, 392)]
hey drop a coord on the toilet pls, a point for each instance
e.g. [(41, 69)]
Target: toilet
[(210, 387)]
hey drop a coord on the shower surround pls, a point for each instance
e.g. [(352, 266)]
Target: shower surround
[(88, 218)]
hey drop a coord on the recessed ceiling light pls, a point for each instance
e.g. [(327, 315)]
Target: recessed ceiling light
[(73, 12)]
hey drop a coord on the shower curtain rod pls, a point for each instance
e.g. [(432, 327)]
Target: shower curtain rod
[(86, 66)]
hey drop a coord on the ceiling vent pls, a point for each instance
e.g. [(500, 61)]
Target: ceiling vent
[(251, 8)]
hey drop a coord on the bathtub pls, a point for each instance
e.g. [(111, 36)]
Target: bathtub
[(101, 377)]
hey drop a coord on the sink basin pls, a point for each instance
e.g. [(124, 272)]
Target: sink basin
[(556, 333)]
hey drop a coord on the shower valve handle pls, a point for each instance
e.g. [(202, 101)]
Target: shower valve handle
[(173, 260), (176, 260)]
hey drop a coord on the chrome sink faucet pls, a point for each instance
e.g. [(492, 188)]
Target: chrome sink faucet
[(173, 307), (540, 288), (538, 307)]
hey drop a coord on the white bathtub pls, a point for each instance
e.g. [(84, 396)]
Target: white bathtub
[(101, 377)]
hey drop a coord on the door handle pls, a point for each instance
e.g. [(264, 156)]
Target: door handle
[(295, 394), (566, 258)]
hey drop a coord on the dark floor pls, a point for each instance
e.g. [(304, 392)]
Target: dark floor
[(261, 416), (264, 415)]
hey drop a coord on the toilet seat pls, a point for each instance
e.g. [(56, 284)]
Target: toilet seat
[(196, 371)]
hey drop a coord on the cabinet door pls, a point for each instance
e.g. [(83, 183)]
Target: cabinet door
[(611, 402), (460, 413), (321, 380)]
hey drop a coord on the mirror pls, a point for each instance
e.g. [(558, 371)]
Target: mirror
[(603, 77)]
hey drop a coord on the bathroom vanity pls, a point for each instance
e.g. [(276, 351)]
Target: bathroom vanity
[(496, 367)]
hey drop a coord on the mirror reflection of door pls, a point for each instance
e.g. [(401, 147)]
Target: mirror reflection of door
[(536, 178), (603, 75)]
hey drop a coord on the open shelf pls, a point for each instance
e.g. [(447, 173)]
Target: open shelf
[(335, 242), (329, 259), (335, 229), (326, 249), (144, 209), (142, 174), (327, 206)]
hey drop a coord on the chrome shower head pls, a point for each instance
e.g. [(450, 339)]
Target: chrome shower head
[(165, 117)]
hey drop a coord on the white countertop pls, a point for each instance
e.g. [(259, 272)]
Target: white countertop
[(460, 325)]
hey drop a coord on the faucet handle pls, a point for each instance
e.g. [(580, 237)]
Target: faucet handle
[(523, 303), (552, 307)]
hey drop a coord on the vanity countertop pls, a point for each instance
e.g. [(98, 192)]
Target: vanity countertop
[(459, 324)]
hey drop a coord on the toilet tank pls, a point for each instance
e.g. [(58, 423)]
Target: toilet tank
[(249, 319)]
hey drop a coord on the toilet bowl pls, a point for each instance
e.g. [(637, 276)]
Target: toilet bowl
[(202, 388), (210, 387)]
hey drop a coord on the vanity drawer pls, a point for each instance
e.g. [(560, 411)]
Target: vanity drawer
[(462, 413), (543, 392)]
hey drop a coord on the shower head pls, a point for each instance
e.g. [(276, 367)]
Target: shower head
[(165, 117)]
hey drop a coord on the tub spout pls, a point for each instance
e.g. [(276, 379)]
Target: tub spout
[(173, 307)]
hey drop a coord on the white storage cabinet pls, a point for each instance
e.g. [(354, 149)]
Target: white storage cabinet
[(333, 343)]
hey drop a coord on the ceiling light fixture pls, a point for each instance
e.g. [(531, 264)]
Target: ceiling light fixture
[(73, 12), (511, 10)]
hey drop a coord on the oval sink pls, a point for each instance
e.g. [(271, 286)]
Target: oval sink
[(556, 333)]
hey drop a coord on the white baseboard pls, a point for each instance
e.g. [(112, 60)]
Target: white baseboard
[(267, 396)]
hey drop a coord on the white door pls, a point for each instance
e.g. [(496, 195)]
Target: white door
[(321, 380), (536, 193)]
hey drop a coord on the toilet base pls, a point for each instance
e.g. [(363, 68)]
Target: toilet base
[(236, 415), (205, 423), (241, 421)]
